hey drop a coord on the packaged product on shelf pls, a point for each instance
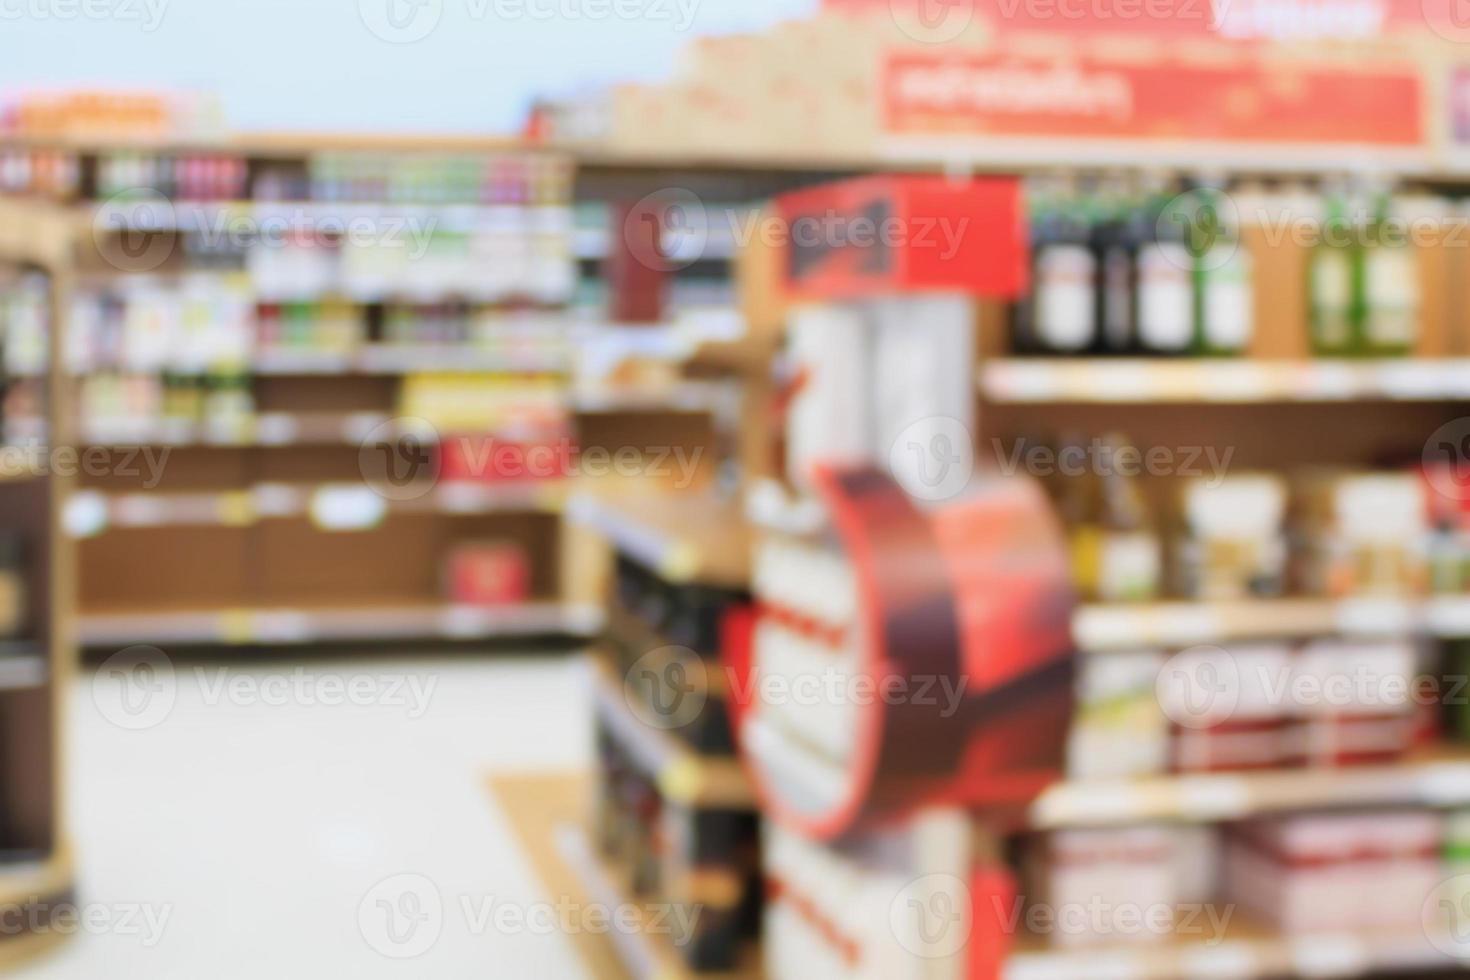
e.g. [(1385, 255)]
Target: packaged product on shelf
[(13, 593), (1456, 678), (1363, 534), (828, 418), (1332, 872), (679, 634), (41, 173), (1352, 702), (1223, 276), (1072, 872), (702, 863), (25, 307), (1060, 315), (1165, 282), (1390, 282), (1117, 553), (1448, 530), (1457, 843), (1120, 729), (488, 573), (1363, 277), (516, 452), (1119, 233), (1234, 539), (709, 863), (1332, 275), (1247, 731), (901, 903)]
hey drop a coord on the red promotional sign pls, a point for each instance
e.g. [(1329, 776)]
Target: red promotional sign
[(904, 234), (936, 93), (1281, 20)]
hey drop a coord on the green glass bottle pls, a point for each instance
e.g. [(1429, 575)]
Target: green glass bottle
[(1332, 277)]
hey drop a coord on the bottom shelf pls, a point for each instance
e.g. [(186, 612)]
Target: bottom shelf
[(27, 892), (549, 814), (1247, 950), (345, 623)]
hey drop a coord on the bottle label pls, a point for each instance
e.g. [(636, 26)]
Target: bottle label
[(1065, 314), (1332, 293), (1129, 567), (1392, 294), (1228, 302), (1165, 297)]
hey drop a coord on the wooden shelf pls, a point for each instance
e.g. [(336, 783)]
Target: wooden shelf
[(548, 814), (685, 538), (1167, 381), (284, 501), (391, 360), (363, 622), (1440, 779), (1099, 628), (682, 775)]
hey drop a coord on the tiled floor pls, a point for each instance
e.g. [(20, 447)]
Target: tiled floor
[(253, 820)]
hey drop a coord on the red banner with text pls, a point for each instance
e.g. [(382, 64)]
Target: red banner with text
[(934, 93)]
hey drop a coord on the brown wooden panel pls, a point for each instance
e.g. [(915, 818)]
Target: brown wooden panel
[(178, 470), (296, 564), (335, 394), (308, 464), (170, 566), (27, 770)]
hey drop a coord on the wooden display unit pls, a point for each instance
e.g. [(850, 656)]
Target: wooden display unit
[(36, 665)]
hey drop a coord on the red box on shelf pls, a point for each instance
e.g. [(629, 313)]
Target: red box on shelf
[(496, 459), (488, 574), (905, 234)]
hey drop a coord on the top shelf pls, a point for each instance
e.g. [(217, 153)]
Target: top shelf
[(1023, 381)]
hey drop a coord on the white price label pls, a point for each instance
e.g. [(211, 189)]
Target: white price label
[(347, 508)]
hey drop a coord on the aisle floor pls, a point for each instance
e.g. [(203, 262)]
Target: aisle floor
[(241, 835)]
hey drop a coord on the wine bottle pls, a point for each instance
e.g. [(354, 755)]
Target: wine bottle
[(1223, 289), (1331, 277), (1061, 317), (1389, 281), (1164, 289)]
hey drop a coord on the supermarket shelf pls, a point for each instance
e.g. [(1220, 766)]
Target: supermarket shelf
[(1245, 952), (1440, 779), (547, 813), (687, 397), (357, 623), (341, 507), (684, 537), (645, 953), (265, 429), (151, 212), (1134, 381), (682, 775), (388, 359), (1100, 628), (353, 428)]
